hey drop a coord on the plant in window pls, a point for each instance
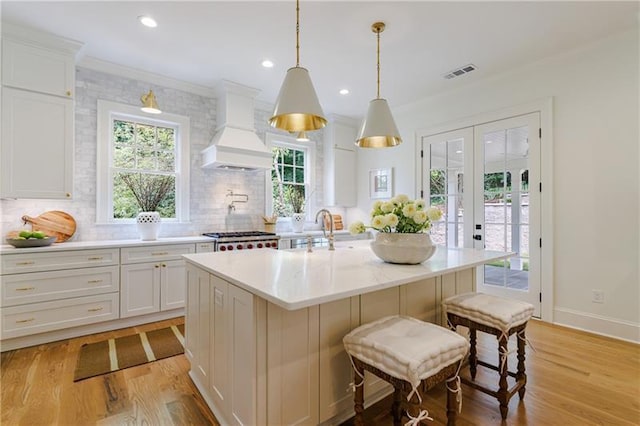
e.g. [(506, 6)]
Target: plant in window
[(296, 199), (149, 190)]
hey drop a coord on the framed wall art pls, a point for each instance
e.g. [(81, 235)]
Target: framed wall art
[(381, 183)]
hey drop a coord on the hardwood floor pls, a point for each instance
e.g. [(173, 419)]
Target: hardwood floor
[(575, 378)]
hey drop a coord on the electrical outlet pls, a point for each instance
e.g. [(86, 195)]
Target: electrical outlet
[(597, 296)]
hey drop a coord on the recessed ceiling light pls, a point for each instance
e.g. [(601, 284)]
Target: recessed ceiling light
[(459, 151), (267, 63), (489, 141), (344, 91), (147, 21)]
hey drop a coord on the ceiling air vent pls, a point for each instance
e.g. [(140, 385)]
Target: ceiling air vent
[(460, 71)]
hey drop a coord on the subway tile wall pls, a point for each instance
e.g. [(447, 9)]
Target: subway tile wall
[(208, 204)]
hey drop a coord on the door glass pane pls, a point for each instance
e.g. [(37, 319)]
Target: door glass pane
[(446, 190), (506, 205)]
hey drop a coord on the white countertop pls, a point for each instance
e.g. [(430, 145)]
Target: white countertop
[(314, 233), (294, 279), (78, 245)]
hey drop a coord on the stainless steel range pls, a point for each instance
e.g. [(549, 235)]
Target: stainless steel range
[(248, 240)]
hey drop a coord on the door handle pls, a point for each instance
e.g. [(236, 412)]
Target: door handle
[(477, 237)]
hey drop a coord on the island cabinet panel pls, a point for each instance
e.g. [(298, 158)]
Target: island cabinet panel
[(241, 335), (336, 320), (292, 365), (197, 323), (374, 306), (420, 300), (456, 283), (219, 349)]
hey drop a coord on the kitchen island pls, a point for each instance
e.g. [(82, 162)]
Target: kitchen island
[(264, 328)]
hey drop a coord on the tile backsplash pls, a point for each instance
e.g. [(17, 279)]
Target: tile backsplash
[(208, 205)]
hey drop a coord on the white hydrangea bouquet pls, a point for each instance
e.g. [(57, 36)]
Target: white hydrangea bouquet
[(400, 214)]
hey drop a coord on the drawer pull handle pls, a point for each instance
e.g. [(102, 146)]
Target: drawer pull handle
[(94, 309), (96, 258), (160, 253), (30, 262), (24, 320), (25, 288), (94, 281)]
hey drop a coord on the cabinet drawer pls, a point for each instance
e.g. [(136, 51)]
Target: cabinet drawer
[(51, 261), (155, 253), (204, 247), (45, 286), (48, 316)]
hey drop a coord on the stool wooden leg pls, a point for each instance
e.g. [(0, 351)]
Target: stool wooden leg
[(452, 402), (358, 398), (396, 408), (503, 386), (521, 376), (473, 353)]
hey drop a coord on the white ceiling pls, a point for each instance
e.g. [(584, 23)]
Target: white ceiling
[(203, 42)]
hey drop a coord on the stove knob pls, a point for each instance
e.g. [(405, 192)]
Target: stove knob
[(239, 246), (249, 246), (230, 247), (259, 245), (222, 248)]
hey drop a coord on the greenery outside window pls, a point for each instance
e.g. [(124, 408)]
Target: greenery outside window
[(148, 153), (290, 177)]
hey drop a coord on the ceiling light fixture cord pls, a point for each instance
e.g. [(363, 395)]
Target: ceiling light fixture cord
[(378, 58), (297, 33)]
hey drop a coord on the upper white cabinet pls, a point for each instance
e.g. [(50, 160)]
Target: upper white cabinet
[(37, 68), (38, 80), (340, 162)]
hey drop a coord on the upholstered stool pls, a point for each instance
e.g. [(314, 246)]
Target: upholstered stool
[(502, 318), (411, 355)]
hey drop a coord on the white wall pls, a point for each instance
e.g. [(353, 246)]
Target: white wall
[(595, 166)]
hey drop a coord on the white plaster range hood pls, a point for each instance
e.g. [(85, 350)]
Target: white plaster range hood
[(235, 144)]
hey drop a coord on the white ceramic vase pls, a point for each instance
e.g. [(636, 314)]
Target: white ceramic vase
[(148, 225), (407, 249), (297, 222)]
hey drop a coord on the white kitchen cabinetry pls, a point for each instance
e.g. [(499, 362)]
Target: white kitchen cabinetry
[(153, 279), (38, 81), (49, 291), (340, 163)]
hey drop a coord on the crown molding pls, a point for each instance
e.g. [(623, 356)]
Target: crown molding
[(137, 74)]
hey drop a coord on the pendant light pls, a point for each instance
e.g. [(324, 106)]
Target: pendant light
[(378, 129), (297, 108), (149, 103)]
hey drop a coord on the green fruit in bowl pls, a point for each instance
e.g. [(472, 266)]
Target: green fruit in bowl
[(20, 238), (25, 234), (39, 235)]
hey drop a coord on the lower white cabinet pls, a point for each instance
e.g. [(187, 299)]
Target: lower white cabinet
[(148, 287)]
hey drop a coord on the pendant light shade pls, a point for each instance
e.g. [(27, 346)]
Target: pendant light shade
[(297, 108), (149, 103), (378, 129)]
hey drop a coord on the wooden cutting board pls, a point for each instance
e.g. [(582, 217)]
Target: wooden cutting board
[(337, 222), (53, 223)]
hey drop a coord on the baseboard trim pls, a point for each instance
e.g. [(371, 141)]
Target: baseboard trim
[(598, 324), (68, 333)]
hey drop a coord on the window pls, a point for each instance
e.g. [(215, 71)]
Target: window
[(291, 176), (141, 161)]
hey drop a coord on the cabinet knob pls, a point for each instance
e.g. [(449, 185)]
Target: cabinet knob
[(25, 288), (24, 320), (68, 92), (156, 266), (94, 309), (68, 194)]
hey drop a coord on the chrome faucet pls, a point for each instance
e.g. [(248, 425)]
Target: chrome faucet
[(325, 212)]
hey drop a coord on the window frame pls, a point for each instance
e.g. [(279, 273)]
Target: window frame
[(309, 149), (108, 112)]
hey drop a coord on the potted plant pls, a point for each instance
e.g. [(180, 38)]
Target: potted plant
[(149, 191), (296, 201)]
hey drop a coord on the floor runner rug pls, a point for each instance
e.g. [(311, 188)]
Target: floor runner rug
[(123, 352)]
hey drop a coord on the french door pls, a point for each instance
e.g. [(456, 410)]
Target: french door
[(485, 178)]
